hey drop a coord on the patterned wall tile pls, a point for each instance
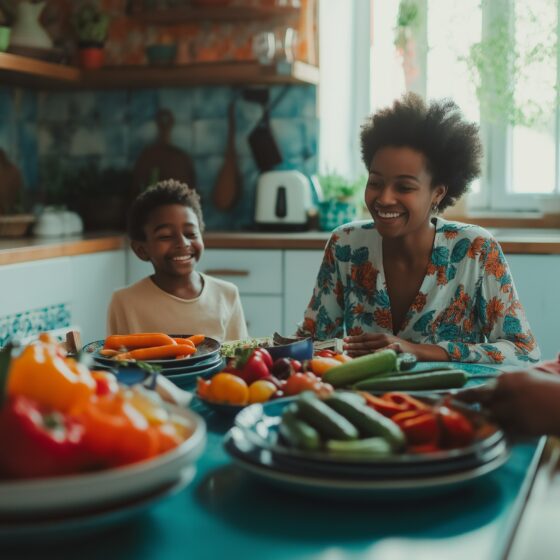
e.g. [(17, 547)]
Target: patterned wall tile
[(180, 102), (143, 106), (34, 322), (212, 102), (210, 137), (113, 107), (111, 128)]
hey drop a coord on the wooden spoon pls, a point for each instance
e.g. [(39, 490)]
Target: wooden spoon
[(227, 189)]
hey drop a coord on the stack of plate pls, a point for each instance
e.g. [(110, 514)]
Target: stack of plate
[(76, 504), (183, 372), (254, 444)]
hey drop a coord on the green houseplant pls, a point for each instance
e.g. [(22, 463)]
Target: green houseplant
[(91, 26), (339, 204)]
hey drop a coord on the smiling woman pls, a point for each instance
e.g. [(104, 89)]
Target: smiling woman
[(410, 280)]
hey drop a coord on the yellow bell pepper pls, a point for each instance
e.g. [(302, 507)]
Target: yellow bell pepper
[(42, 372)]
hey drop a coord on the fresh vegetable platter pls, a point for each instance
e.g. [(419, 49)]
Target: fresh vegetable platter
[(76, 437), (355, 445), (165, 350)]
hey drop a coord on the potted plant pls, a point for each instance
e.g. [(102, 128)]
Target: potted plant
[(339, 204), (91, 26)]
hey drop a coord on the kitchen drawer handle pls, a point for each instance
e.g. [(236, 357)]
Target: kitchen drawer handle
[(226, 272)]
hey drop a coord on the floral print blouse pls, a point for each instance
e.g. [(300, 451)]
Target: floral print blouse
[(467, 302)]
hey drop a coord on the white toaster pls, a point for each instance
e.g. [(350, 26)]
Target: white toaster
[(283, 199)]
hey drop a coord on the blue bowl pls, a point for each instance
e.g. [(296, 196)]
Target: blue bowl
[(161, 54), (300, 350)]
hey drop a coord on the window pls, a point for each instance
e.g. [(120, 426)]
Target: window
[(499, 60)]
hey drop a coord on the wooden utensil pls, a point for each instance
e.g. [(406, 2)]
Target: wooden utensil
[(227, 189), (162, 160), (10, 184)]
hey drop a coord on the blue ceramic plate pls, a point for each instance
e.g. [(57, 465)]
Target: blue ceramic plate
[(187, 380), (259, 423), (205, 350), (203, 365), (263, 465), (46, 527)]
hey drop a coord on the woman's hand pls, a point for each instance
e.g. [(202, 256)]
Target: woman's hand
[(372, 342), (525, 403)]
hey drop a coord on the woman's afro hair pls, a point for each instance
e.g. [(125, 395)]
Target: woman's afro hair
[(438, 130)]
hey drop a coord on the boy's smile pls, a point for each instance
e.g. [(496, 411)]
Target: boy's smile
[(173, 241)]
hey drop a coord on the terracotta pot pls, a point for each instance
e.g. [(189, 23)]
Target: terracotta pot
[(91, 58)]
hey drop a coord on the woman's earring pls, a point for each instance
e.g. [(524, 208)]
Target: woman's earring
[(435, 207)]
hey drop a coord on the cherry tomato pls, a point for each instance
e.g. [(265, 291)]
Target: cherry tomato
[(261, 391), (228, 389)]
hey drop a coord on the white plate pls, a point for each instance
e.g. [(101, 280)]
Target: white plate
[(83, 491), (77, 525)]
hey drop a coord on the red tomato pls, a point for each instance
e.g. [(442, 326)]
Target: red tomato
[(299, 382)]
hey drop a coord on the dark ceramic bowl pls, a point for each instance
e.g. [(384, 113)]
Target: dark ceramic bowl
[(300, 350)]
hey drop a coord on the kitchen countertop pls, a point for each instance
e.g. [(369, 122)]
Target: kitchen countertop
[(512, 240)]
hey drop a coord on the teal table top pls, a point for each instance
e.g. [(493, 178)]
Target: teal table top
[(226, 513)]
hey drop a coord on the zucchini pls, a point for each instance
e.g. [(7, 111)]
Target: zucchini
[(298, 433), (368, 421), (369, 447), (447, 379), (360, 368), (324, 419)]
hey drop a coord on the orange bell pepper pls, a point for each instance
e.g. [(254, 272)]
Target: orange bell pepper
[(116, 433), (43, 373)]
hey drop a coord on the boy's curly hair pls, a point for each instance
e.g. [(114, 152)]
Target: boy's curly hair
[(451, 144), (160, 194)]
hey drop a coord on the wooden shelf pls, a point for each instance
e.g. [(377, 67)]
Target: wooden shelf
[(24, 71), (218, 73), (174, 16), (28, 72)]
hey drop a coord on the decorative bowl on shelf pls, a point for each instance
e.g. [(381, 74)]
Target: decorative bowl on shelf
[(161, 54)]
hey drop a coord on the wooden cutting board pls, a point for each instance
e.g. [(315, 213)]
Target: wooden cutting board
[(10, 184), (162, 160)]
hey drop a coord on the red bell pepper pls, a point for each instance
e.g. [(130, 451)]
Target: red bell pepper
[(419, 426), (405, 401), (38, 441), (383, 406), (457, 429), (253, 365)]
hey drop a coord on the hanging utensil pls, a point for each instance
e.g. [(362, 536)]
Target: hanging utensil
[(227, 189)]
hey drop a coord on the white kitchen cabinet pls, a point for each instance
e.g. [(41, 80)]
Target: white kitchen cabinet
[(51, 294), (95, 277), (536, 280), (300, 274), (35, 285), (258, 276)]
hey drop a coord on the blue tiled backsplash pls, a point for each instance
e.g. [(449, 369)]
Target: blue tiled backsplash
[(112, 127)]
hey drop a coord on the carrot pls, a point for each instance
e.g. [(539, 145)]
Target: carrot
[(197, 339), (138, 340), (157, 352), (108, 352), (184, 341)]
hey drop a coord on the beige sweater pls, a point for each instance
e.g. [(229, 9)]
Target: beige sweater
[(143, 307)]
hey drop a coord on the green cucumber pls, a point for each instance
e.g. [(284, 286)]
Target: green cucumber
[(447, 379), (355, 370), (298, 433), (368, 421), (374, 447), (324, 419)]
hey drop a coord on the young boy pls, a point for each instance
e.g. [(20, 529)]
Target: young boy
[(165, 228)]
